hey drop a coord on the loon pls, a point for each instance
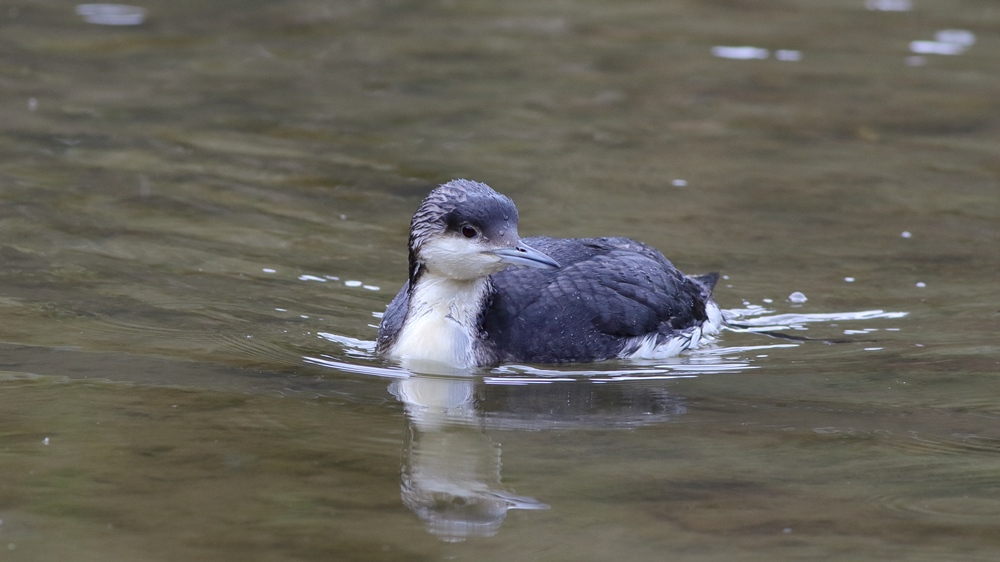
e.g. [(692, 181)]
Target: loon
[(570, 301)]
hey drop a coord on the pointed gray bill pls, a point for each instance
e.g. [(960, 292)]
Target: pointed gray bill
[(522, 254)]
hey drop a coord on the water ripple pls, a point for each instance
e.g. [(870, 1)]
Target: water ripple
[(709, 359), (956, 444), (759, 318), (964, 509)]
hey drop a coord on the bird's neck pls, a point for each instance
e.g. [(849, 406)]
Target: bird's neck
[(443, 320)]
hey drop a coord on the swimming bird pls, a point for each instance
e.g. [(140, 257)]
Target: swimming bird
[(479, 295)]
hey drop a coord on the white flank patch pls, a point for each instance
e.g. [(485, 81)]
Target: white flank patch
[(648, 348)]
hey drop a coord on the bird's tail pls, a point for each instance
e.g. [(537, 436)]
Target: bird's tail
[(707, 280)]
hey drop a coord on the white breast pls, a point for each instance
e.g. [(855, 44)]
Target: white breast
[(442, 322)]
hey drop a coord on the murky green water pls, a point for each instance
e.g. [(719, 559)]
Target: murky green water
[(201, 213)]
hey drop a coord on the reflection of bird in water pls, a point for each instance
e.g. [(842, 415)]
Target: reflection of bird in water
[(577, 299), (451, 468)]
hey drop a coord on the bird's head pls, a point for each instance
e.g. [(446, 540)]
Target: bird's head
[(465, 230)]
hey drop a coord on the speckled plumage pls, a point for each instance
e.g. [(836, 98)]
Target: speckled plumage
[(608, 292)]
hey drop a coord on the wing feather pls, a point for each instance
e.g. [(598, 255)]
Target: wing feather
[(607, 291)]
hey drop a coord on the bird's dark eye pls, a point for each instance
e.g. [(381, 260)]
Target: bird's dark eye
[(469, 232)]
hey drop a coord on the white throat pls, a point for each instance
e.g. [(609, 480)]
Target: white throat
[(442, 323)]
